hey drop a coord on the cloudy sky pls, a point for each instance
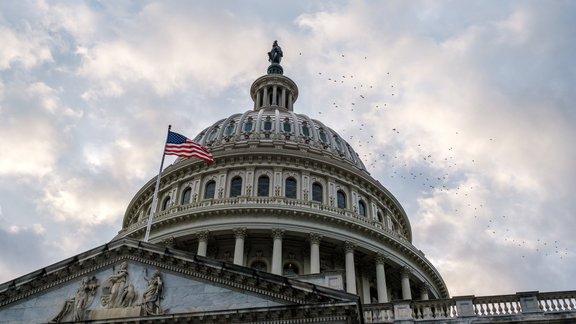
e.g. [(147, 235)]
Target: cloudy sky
[(462, 109)]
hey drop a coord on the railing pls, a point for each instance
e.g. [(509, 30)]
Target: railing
[(269, 201), (434, 309), (561, 305), (497, 305)]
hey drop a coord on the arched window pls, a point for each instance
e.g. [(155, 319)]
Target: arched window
[(230, 128), (317, 192), (258, 265), (341, 199), (361, 208), (210, 189), (290, 188), (236, 187), (286, 126), (380, 218), (248, 125), (165, 203), (212, 134), (323, 136), (186, 196), (338, 144), (305, 129), (268, 123), (263, 186), (290, 269)]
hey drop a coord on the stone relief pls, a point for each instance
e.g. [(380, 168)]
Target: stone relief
[(152, 295), (77, 305), (117, 293)]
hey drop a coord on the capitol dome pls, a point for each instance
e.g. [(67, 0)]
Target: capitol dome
[(287, 195)]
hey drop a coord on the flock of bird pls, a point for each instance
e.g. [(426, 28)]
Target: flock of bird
[(371, 103)]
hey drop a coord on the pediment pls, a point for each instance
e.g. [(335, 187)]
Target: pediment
[(130, 279)]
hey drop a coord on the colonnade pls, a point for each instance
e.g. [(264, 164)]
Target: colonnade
[(315, 239)]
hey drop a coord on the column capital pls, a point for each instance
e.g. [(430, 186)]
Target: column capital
[(277, 233), (405, 272), (202, 235), (239, 232), (349, 246), (380, 258), (424, 288), (314, 238)]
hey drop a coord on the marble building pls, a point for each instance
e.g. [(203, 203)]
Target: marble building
[(286, 226)]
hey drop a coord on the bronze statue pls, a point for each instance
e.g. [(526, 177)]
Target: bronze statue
[(275, 55)]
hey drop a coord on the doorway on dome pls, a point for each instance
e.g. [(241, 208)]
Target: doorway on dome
[(290, 269)]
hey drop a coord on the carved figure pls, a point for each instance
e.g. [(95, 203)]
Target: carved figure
[(275, 54), (78, 304), (152, 295), (117, 292)]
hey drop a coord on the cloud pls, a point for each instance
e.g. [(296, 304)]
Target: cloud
[(165, 53), (28, 48), (66, 199)]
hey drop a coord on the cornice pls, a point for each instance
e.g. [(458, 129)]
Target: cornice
[(208, 270)]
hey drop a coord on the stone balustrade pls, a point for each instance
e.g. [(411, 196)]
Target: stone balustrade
[(467, 309), (278, 202)]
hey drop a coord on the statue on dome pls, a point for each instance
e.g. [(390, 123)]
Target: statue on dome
[(275, 54)]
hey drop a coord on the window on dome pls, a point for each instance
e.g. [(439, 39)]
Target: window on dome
[(341, 199), (210, 189), (338, 144), (248, 125), (268, 124), (361, 208), (323, 136), (286, 126), (317, 192), (352, 154), (213, 134), (263, 186), (290, 188), (305, 130), (186, 196), (259, 265), (380, 218), (165, 203), (236, 187), (290, 269), (230, 128)]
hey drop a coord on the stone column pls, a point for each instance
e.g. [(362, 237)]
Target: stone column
[(424, 292), (265, 102), (257, 100), (277, 251), (366, 287), (381, 279), (239, 234), (350, 271), (274, 95), (202, 242), (315, 252), (406, 293)]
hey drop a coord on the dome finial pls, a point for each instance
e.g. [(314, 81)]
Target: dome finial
[(274, 57)]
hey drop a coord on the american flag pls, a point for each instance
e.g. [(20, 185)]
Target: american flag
[(182, 146)]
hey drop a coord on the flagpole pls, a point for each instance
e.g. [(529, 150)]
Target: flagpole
[(155, 198)]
